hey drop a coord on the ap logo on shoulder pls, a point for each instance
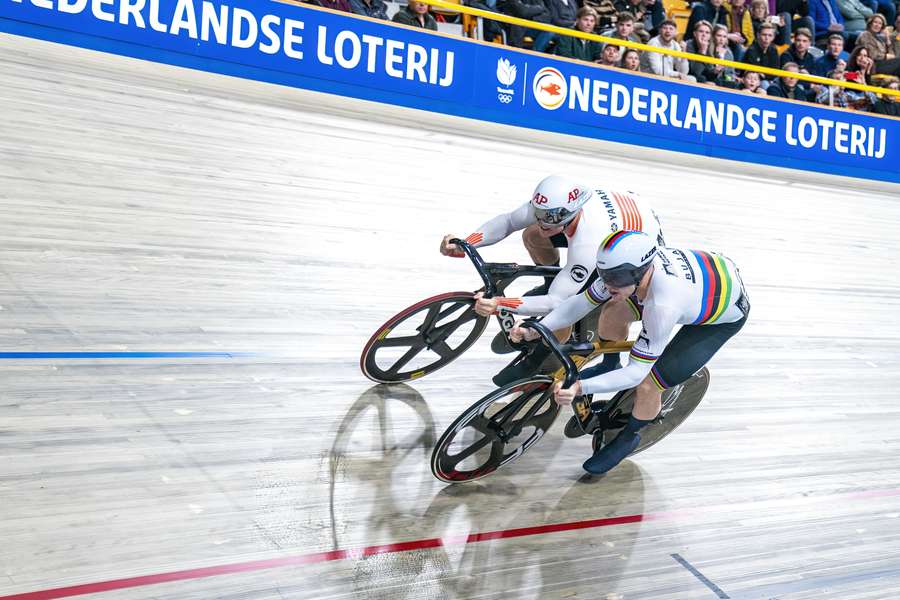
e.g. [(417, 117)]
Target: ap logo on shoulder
[(506, 75)]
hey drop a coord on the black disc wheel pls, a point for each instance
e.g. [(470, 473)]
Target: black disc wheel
[(495, 431), (677, 404), (423, 338)]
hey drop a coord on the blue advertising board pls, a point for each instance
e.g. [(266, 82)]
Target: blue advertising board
[(316, 49)]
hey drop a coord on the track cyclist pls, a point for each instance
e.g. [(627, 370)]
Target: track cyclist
[(563, 213), (701, 291)]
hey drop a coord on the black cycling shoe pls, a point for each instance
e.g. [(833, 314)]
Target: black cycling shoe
[(520, 368), (501, 345), (608, 456)]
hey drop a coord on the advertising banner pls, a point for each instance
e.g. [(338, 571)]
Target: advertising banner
[(373, 60)]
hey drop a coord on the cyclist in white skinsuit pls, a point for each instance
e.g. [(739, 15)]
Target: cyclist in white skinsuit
[(701, 291), (574, 216)]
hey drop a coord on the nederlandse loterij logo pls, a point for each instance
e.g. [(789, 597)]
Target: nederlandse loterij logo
[(550, 88), (506, 75)]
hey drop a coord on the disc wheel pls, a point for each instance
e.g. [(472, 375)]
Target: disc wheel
[(495, 431), (677, 404), (422, 338)]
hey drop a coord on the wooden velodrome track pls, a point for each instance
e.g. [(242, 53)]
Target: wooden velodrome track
[(153, 209)]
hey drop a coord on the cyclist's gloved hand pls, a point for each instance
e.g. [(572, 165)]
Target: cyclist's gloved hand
[(485, 306), (519, 333), (448, 249), (565, 396)]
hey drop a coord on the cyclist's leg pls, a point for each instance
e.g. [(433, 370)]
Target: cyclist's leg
[(612, 326), (542, 250), (691, 348)]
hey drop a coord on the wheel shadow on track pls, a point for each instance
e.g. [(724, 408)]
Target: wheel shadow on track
[(380, 456)]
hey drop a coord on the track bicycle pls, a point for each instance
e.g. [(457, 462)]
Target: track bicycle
[(432, 333), (500, 427)]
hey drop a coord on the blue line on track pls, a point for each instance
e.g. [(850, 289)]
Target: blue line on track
[(32, 355)]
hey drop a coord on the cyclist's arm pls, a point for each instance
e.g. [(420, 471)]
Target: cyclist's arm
[(501, 226), (658, 326), (567, 283), (571, 310)]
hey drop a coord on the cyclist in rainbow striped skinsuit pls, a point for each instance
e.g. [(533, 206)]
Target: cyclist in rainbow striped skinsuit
[(700, 291)]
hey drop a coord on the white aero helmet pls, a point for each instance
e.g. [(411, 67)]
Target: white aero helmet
[(624, 257), (557, 200)]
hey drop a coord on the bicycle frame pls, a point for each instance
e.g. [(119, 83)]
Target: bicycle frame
[(498, 276)]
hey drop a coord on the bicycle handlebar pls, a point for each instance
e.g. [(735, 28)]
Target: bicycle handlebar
[(556, 347), (489, 287)]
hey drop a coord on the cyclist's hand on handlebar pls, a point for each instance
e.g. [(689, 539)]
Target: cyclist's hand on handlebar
[(565, 396), (448, 249), (519, 333), (485, 307)]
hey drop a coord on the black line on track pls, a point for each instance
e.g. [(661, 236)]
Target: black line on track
[(718, 591)]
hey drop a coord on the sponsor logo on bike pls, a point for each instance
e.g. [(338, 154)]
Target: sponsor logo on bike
[(506, 75), (579, 273), (550, 88)]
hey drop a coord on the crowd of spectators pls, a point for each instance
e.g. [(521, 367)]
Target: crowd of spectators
[(844, 40)]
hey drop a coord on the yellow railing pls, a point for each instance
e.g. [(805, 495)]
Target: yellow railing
[(450, 6)]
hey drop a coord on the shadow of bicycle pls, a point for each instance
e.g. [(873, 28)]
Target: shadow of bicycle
[(380, 484)]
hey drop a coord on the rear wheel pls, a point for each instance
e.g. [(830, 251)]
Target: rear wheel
[(495, 431), (422, 338), (677, 404)]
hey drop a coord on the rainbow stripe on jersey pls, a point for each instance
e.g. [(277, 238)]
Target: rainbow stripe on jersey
[(717, 286)]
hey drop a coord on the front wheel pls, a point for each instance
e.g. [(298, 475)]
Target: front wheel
[(495, 431), (422, 338)]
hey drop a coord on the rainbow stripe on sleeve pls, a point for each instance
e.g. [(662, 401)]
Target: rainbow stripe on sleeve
[(717, 286), (641, 356)]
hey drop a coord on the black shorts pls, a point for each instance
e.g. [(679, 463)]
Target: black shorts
[(559, 240), (689, 350)]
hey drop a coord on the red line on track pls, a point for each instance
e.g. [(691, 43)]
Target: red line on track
[(318, 557)]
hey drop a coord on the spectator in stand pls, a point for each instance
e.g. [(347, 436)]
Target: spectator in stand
[(341, 5), (416, 15), (610, 56), (876, 41), (888, 105), (711, 11), (665, 65), (533, 10), (884, 7), (759, 14), (631, 60), (799, 52), (701, 43), (606, 13), (740, 28), (834, 95), (860, 67), (828, 19), (648, 14), (799, 11), (376, 9), (725, 76), (751, 83), (624, 28), (763, 52), (562, 14), (834, 53), (790, 87), (490, 29), (578, 48), (855, 13)]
